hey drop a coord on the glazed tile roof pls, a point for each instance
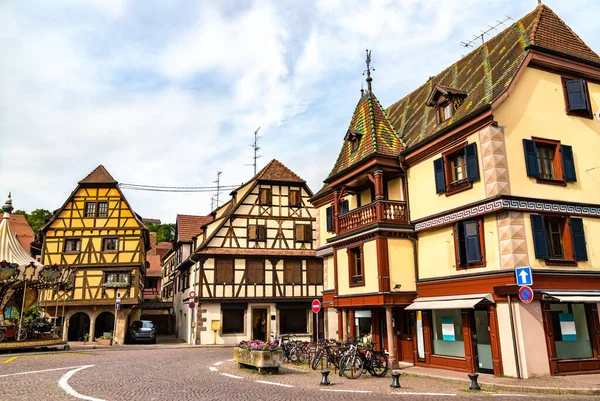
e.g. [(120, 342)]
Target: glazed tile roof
[(486, 73), (21, 229), (189, 226), (99, 175), (276, 171), (377, 136)]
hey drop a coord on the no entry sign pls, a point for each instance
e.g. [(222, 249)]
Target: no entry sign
[(316, 306), (525, 294)]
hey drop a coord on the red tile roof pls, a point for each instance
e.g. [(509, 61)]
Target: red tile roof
[(99, 176), (155, 268), (188, 226), (162, 248), (276, 171), (21, 228)]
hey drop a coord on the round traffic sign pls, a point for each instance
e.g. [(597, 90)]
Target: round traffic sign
[(192, 305), (525, 294), (192, 294), (118, 294), (316, 306)]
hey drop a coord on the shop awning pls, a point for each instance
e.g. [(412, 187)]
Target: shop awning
[(572, 296), (451, 302)]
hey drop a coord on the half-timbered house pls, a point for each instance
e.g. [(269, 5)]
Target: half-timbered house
[(256, 270), (97, 231)]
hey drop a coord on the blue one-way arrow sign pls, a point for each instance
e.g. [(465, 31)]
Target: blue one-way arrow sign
[(524, 276)]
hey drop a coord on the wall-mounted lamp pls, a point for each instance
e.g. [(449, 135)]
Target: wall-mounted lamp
[(397, 286)]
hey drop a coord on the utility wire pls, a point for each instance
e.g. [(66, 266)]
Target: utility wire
[(160, 188)]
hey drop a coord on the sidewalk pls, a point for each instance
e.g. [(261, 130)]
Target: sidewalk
[(574, 384)]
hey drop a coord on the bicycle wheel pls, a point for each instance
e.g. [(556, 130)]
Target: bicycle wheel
[(317, 359), (351, 366), (21, 335), (379, 364), (1, 335)]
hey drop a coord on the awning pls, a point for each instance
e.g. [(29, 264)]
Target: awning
[(572, 296), (451, 302)]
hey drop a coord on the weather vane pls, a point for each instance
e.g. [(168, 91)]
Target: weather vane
[(368, 71)]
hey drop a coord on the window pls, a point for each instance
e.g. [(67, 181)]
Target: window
[(314, 271), (447, 333), (456, 170), (224, 271), (264, 196), (292, 271), (185, 280), (110, 244), (255, 271), (116, 278), (90, 209), (570, 331), (469, 244), (257, 233), (303, 233), (549, 161), (295, 199), (445, 111), (356, 266), (558, 239), (233, 320), (72, 245), (577, 97), (329, 218), (354, 142), (293, 320), (102, 209)]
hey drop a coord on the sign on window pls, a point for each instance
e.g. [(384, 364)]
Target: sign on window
[(567, 327), (448, 329)]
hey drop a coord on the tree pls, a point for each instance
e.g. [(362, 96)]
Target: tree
[(164, 232), (36, 219)]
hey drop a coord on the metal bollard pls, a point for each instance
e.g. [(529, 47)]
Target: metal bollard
[(473, 377), (395, 380), (325, 378)]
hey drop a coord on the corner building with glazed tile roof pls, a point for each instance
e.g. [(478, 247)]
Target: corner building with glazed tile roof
[(434, 201)]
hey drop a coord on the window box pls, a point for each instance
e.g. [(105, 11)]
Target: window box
[(116, 285), (549, 162), (456, 170)]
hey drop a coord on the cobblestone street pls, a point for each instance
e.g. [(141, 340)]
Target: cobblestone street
[(186, 373)]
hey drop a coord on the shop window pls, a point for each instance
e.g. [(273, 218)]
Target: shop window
[(456, 170), (102, 209), (302, 232), (294, 198), (257, 233), (72, 245), (292, 271), (265, 196), (448, 333), (110, 244), (363, 325), (314, 272), (224, 271), (90, 209), (549, 162), (571, 331), (577, 97), (255, 271), (558, 239), (469, 243), (293, 320), (233, 321), (356, 266)]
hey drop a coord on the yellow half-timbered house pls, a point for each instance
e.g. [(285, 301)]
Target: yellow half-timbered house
[(97, 231)]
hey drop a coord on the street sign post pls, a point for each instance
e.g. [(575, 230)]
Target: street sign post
[(525, 294), (316, 308), (524, 276)]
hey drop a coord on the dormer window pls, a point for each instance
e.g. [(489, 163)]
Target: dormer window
[(445, 111), (353, 137), (446, 101)]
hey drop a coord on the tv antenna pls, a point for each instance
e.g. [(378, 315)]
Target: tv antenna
[(471, 43), (256, 148), (218, 181)]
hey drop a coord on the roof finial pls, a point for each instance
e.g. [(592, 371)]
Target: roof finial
[(362, 91), (7, 208), (539, 2), (368, 71)]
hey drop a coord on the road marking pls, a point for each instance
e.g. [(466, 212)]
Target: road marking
[(273, 383), (233, 376), (411, 393), (217, 363), (10, 359), (230, 360), (39, 371), (513, 395), (64, 384), (213, 369), (347, 391)]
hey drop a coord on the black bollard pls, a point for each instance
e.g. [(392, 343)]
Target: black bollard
[(474, 385), (325, 378), (395, 380)]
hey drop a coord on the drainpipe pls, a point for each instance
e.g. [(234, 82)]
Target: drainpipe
[(514, 338)]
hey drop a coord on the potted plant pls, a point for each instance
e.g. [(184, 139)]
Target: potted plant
[(86, 337), (259, 354), (104, 340)]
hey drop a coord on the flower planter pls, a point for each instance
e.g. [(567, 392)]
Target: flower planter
[(104, 341), (262, 360)]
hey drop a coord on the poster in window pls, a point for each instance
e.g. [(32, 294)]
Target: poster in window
[(448, 329), (420, 336), (567, 327)]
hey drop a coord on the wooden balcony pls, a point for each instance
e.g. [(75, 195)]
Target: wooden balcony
[(383, 211)]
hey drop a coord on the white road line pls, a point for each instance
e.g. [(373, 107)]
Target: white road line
[(347, 391), (217, 363), (512, 395), (40, 371), (64, 384), (213, 369), (273, 383), (411, 393), (231, 360), (234, 376)]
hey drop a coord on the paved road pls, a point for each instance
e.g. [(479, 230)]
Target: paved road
[(186, 373)]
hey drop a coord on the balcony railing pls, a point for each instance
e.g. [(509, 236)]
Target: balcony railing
[(383, 211)]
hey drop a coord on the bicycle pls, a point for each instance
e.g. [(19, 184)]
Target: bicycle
[(325, 349), (357, 361)]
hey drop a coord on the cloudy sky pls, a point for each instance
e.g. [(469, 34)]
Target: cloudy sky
[(169, 93)]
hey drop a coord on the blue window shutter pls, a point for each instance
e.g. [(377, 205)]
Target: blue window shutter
[(472, 243), (329, 213), (531, 159), (578, 238), (540, 244), (568, 163), (440, 178), (461, 248), (576, 94), (471, 162), (345, 206)]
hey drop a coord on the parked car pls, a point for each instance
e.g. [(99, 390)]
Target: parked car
[(142, 330)]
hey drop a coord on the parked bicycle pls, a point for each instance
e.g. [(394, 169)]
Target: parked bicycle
[(358, 360)]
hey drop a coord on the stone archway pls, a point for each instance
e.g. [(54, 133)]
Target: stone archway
[(105, 322), (79, 326)]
